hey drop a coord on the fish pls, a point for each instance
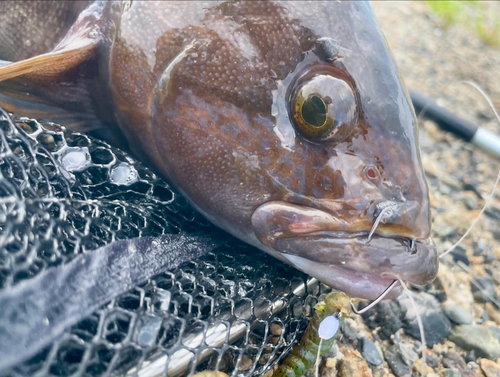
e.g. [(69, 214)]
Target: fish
[(285, 123)]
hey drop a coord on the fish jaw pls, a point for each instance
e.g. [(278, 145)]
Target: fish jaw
[(337, 250)]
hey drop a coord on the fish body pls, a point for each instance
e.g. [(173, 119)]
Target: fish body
[(283, 122)]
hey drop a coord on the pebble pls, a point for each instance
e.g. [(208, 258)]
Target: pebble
[(401, 359), (353, 365), (370, 352), (457, 314), (450, 372), (456, 362), (483, 249), (444, 231), (385, 316), (490, 368), (483, 289), (477, 338), (470, 202), (493, 313), (431, 361), (436, 324), (350, 329)]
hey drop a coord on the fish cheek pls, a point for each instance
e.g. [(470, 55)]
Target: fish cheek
[(200, 143)]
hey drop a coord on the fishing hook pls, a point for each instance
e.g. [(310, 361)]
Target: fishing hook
[(378, 220), (377, 300)]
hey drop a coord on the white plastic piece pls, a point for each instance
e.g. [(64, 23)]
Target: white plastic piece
[(328, 327)]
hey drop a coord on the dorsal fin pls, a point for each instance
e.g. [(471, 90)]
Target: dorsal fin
[(53, 86), (50, 65)]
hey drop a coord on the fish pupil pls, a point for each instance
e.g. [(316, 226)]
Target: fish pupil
[(314, 111), (372, 173)]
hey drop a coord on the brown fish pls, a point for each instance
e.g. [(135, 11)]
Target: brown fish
[(284, 122)]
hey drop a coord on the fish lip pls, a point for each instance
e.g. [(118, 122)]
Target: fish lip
[(382, 256), (314, 238)]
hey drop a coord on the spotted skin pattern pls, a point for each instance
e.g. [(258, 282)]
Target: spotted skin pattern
[(202, 92)]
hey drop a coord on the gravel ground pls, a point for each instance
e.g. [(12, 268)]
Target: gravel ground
[(461, 321)]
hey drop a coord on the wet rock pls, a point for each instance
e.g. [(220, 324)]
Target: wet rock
[(401, 359), (455, 362), (385, 316), (370, 352), (477, 338), (436, 324), (353, 365), (457, 314), (490, 368)]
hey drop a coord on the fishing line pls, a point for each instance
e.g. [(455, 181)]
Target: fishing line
[(419, 322), (318, 356), (477, 284), (490, 198)]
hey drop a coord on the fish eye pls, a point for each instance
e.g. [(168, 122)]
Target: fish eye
[(324, 107)]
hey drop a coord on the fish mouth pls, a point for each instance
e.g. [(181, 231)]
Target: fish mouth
[(327, 247)]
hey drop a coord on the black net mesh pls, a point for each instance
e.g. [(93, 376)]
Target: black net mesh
[(63, 193)]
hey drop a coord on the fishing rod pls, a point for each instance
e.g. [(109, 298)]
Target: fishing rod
[(486, 140)]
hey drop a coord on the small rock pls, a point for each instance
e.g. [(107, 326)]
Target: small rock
[(483, 249), (477, 338), (386, 317), (493, 313), (431, 361), (455, 361), (436, 325), (350, 329), (451, 372), (331, 362), (444, 231), (457, 314), (460, 256), (490, 368), (470, 202), (353, 365), (470, 356), (421, 369), (483, 289), (370, 352), (401, 359)]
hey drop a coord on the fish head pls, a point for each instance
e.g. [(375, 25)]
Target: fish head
[(287, 124)]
